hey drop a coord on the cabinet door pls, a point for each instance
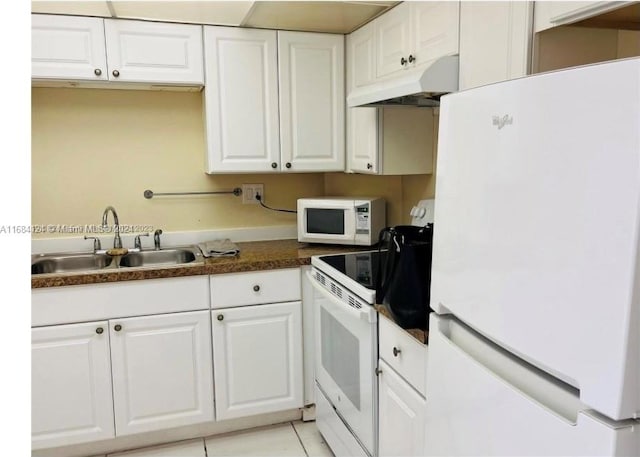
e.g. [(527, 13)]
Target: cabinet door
[(312, 101), (362, 140), (401, 416), (241, 100), (154, 52), (67, 47), (71, 398), (434, 31), (494, 41), (393, 39), (257, 352), (162, 372), (361, 57)]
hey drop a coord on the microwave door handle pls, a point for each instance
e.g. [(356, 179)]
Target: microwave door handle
[(338, 304)]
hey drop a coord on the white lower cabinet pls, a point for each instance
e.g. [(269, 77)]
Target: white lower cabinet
[(162, 372), (70, 385), (401, 386), (257, 352), (401, 415), (159, 369)]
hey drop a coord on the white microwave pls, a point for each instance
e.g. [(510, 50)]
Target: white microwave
[(341, 220)]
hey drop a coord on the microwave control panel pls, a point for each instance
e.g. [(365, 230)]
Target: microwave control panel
[(363, 224)]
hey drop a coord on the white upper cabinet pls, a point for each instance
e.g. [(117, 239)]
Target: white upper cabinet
[(274, 101), (361, 55), (162, 371), (241, 100), (312, 101), (391, 140), (393, 40), (413, 34), (71, 400), (68, 47), (154, 52), (435, 31), (75, 48), (495, 41)]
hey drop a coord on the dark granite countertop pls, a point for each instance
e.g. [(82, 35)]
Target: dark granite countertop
[(254, 256)]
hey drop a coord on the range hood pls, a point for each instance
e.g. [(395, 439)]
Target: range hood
[(421, 87)]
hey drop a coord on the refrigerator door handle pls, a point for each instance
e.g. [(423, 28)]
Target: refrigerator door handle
[(554, 395)]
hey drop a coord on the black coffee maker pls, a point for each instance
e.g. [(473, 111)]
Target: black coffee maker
[(404, 273)]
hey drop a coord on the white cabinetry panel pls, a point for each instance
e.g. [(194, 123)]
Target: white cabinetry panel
[(162, 372), (258, 358), (401, 416), (67, 47), (241, 100), (154, 52), (71, 398), (495, 41), (393, 40), (312, 101)]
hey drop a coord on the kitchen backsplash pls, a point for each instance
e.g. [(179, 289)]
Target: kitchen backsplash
[(91, 148)]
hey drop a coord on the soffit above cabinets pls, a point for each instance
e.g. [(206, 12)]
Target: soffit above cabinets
[(310, 16)]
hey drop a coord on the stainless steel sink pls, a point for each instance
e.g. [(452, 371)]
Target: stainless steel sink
[(79, 262), (64, 263), (169, 256)]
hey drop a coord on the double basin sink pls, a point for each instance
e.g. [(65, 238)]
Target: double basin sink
[(91, 262)]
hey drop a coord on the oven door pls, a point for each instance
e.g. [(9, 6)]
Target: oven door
[(346, 355), (326, 221)]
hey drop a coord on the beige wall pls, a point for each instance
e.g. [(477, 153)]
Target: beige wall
[(92, 148)]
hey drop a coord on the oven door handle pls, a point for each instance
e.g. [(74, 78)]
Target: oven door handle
[(338, 303)]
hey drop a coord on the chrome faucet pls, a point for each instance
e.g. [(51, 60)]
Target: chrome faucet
[(137, 244), (117, 242), (156, 238)]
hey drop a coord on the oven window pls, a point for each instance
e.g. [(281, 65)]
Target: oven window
[(325, 221), (341, 356)]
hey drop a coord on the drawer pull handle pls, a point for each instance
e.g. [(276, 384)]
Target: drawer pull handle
[(117, 327), (220, 317), (396, 351), (256, 288)]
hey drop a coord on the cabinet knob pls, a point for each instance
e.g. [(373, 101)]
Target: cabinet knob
[(220, 317), (403, 61), (396, 351), (97, 72), (256, 288), (411, 58), (274, 165), (288, 165), (115, 73), (117, 327), (378, 371), (369, 166), (99, 330)]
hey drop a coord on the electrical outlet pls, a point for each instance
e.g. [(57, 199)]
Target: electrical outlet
[(249, 192)]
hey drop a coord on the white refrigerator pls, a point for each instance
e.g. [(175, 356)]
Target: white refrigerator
[(534, 343)]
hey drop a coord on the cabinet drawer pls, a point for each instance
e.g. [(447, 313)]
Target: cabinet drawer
[(403, 353), (242, 289)]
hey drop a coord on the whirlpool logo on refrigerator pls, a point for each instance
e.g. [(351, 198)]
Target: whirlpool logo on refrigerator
[(502, 121)]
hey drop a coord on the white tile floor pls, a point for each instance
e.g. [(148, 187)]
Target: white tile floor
[(295, 439)]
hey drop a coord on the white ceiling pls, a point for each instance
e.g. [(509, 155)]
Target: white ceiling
[(313, 16)]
